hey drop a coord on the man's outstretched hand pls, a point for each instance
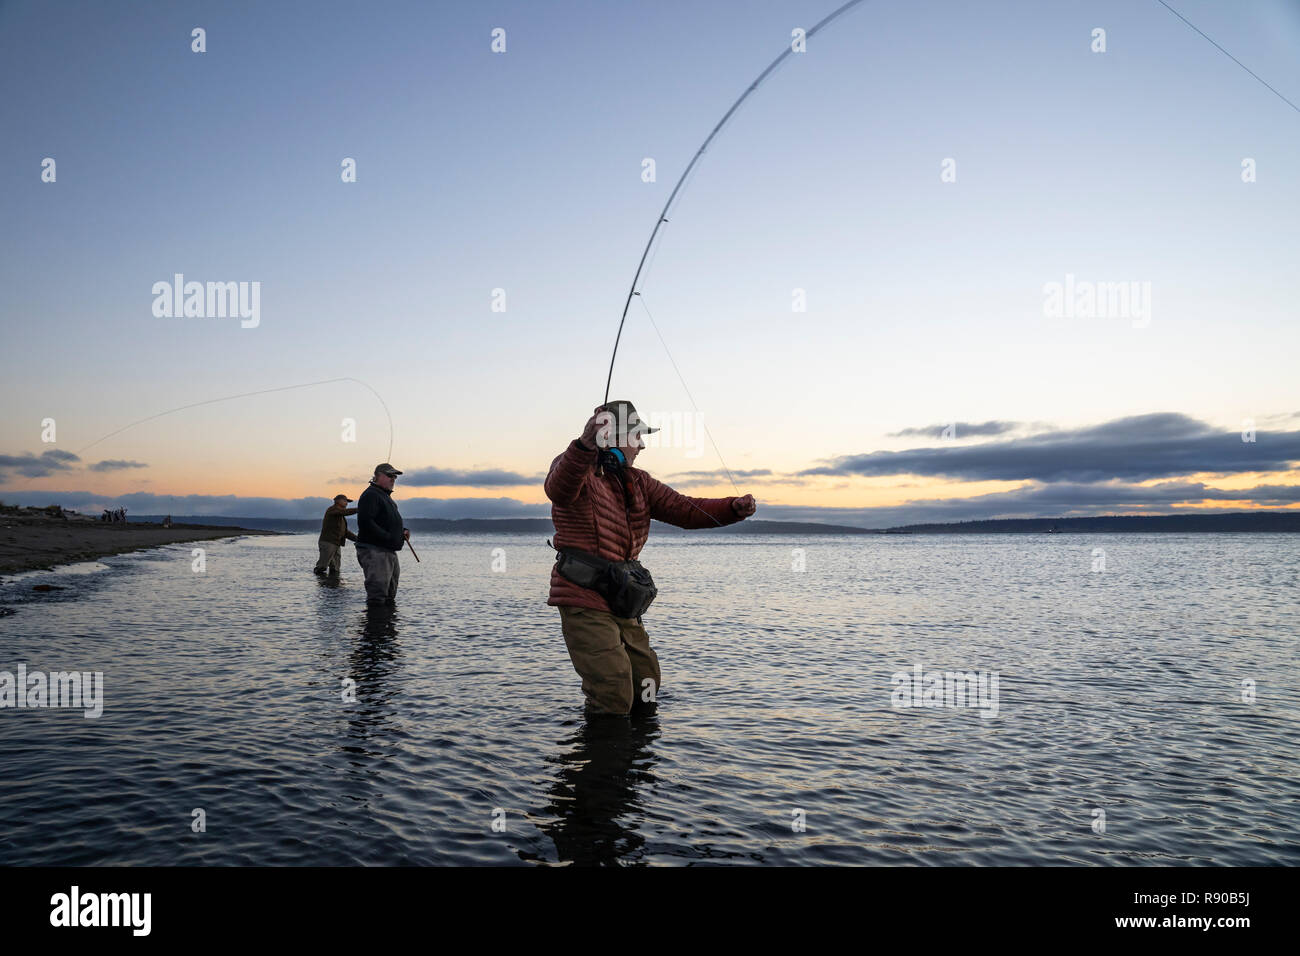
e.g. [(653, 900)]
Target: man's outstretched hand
[(745, 506)]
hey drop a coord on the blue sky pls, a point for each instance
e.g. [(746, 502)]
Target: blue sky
[(522, 171)]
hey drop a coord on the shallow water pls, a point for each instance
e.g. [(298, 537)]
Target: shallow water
[(1120, 690)]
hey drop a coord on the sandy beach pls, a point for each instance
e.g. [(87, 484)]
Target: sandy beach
[(29, 543)]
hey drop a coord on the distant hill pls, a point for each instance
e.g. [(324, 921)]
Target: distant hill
[(1233, 521), (1281, 521), (540, 526)]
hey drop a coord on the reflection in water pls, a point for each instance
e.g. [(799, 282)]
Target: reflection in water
[(596, 798), (373, 663)]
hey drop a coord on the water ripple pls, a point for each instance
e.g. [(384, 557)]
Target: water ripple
[(450, 731)]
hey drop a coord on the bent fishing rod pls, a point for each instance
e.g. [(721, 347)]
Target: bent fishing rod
[(663, 215), (263, 391), (834, 15)]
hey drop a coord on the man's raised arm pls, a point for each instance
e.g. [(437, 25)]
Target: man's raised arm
[(568, 472)]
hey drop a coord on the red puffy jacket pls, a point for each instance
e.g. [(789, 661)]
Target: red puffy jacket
[(591, 513)]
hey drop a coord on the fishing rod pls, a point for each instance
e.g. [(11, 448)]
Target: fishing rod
[(663, 215), (264, 391), (1261, 80), (663, 218)]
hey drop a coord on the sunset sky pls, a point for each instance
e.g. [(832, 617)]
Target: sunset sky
[(926, 380)]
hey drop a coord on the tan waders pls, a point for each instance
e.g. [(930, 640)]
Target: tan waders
[(619, 668)]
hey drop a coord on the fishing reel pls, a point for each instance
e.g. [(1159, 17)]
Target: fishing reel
[(613, 460)]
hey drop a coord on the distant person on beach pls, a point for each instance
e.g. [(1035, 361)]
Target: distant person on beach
[(380, 535), (601, 507), (334, 534)]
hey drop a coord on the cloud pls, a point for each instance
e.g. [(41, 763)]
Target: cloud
[(1137, 448), (1031, 501), (1043, 501), (1133, 465), (1280, 418), (56, 461), (116, 464), (31, 466), (691, 479), (474, 477), (960, 430)]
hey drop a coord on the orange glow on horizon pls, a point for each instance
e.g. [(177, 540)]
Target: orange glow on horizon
[(817, 491)]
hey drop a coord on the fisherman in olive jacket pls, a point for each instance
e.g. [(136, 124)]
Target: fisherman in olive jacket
[(380, 535), (333, 533)]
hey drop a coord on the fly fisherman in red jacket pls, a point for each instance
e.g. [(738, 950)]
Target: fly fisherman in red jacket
[(601, 507)]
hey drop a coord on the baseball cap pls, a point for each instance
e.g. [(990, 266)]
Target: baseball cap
[(626, 418)]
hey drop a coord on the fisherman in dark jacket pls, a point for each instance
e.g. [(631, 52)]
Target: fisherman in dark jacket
[(333, 533), (380, 535)]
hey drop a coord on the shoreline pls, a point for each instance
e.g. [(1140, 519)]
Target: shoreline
[(39, 544)]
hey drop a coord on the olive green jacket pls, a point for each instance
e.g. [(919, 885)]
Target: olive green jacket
[(334, 528)]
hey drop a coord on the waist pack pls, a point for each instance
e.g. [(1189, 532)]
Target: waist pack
[(626, 586)]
